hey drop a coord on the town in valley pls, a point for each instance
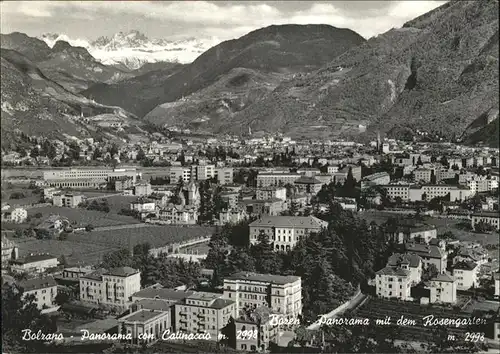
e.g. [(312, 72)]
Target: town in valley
[(232, 232)]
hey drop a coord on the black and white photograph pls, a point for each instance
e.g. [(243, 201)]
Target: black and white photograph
[(250, 176)]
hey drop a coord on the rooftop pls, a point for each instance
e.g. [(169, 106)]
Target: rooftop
[(443, 277), (163, 294), (263, 278), (487, 214), (289, 221), (424, 250), (394, 271), (34, 258), (465, 265), (38, 283), (142, 316), (397, 259), (307, 180), (121, 272)]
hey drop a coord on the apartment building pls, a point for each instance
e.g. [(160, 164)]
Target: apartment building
[(75, 273), (266, 179), (308, 185), (43, 289), (271, 192), (224, 175), (232, 216), (397, 191), (422, 175), (142, 189), (258, 323), (145, 326), (429, 255), (421, 232), (34, 263), (375, 179), (179, 215), (282, 294), (48, 193), (67, 200), (255, 207), (143, 205), (478, 184), (113, 287), (231, 198), (393, 282), (194, 172), (443, 289), (411, 262), (466, 275), (285, 231), (204, 312), (492, 218)]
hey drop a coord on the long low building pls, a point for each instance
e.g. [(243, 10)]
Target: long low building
[(87, 177), (285, 231), (488, 217)]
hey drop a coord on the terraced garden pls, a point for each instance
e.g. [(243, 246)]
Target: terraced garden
[(375, 308)]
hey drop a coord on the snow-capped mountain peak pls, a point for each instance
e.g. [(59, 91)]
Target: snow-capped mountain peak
[(133, 48)]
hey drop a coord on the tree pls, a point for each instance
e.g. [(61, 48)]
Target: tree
[(266, 260), (115, 259), (430, 272), (419, 161), (433, 177), (89, 228), (20, 312)]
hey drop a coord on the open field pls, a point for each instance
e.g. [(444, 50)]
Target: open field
[(156, 236), (84, 217), (75, 252), (375, 308)]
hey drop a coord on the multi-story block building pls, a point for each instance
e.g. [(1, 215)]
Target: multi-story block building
[(224, 175), (204, 312), (259, 328), (123, 183), (478, 184), (308, 185), (145, 326), (67, 200), (421, 232), (142, 189), (393, 282), (85, 177), (466, 275), (429, 255), (179, 215), (34, 263), (375, 179), (43, 289), (113, 287), (194, 172), (443, 289), (411, 262), (397, 191), (492, 218), (285, 231), (231, 198), (271, 192), (282, 294), (266, 179), (422, 175)]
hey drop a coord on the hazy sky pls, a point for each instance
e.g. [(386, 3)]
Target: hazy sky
[(222, 19)]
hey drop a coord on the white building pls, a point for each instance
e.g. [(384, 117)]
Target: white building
[(67, 200), (204, 312), (113, 287), (491, 218), (34, 263), (271, 192), (44, 291), (393, 283), (496, 278), (443, 289), (466, 275), (375, 179), (143, 206), (411, 262), (285, 231), (283, 294)]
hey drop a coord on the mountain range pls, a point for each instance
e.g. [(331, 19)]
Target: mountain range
[(133, 49), (437, 75)]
